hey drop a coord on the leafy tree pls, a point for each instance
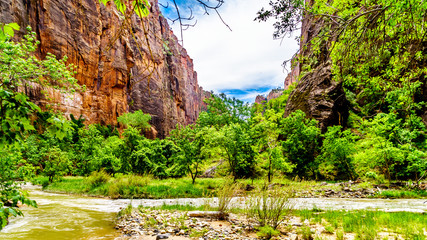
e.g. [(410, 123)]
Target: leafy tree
[(56, 163), (236, 143), (335, 159), (157, 157), (394, 147), (266, 133), (19, 68), (300, 142), (193, 142), (137, 119), (223, 111), (86, 150)]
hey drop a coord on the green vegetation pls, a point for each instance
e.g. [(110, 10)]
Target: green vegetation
[(367, 224), (377, 50), (20, 69)]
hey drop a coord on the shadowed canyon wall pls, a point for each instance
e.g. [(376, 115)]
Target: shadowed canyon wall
[(123, 70)]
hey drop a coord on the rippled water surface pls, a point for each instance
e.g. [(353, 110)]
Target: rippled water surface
[(63, 217)]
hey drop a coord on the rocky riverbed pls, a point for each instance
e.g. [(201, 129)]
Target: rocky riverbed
[(176, 225)]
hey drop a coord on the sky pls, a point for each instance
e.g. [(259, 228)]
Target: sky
[(242, 63)]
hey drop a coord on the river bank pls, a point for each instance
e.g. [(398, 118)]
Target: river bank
[(154, 224), (79, 217), (132, 186)]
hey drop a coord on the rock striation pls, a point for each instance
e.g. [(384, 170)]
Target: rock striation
[(125, 66)]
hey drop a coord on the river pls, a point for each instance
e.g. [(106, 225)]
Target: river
[(62, 216)]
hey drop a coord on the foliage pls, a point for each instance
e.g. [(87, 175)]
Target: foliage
[(156, 157), (10, 195), (393, 147), (225, 194), (266, 131), (193, 144), (269, 207), (288, 14), (140, 7), (335, 160), (267, 232), (137, 119), (236, 142), (223, 111), (20, 68), (300, 142)]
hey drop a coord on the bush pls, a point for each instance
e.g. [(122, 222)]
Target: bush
[(96, 179), (225, 195), (269, 207), (267, 232), (128, 186)]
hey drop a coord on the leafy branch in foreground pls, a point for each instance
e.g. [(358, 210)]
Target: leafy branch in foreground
[(19, 68)]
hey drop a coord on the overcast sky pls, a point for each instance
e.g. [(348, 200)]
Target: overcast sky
[(243, 62)]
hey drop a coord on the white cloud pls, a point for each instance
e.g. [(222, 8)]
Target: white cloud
[(244, 58)]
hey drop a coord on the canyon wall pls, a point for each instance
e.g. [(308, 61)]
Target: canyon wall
[(125, 66)]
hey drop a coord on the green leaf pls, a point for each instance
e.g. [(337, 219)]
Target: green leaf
[(142, 8), (104, 1), (120, 6), (15, 26)]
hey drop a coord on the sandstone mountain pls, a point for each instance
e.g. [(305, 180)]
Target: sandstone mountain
[(145, 68)]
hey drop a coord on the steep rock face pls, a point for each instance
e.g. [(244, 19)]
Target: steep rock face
[(320, 98), (275, 93), (316, 93), (260, 99), (123, 70)]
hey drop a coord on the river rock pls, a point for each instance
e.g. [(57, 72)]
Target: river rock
[(162, 236)]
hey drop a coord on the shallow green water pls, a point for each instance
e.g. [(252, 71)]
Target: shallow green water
[(63, 217)]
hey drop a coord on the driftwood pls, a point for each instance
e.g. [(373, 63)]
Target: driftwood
[(208, 214)]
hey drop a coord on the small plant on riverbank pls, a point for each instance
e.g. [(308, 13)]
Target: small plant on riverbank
[(125, 211), (267, 232), (225, 195), (269, 207)]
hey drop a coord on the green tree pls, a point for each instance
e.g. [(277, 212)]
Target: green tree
[(137, 119), (300, 143), (10, 194), (156, 157), (193, 142), (224, 111), (266, 134), (335, 159), (236, 142), (20, 68), (392, 146)]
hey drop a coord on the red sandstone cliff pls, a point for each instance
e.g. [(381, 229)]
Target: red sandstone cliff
[(122, 72)]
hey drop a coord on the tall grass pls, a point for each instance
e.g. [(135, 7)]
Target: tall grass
[(269, 207), (367, 224)]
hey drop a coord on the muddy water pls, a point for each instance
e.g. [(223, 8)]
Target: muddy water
[(61, 216)]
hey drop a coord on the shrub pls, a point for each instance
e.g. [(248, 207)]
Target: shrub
[(267, 232), (96, 179), (225, 195), (269, 207), (128, 186)]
